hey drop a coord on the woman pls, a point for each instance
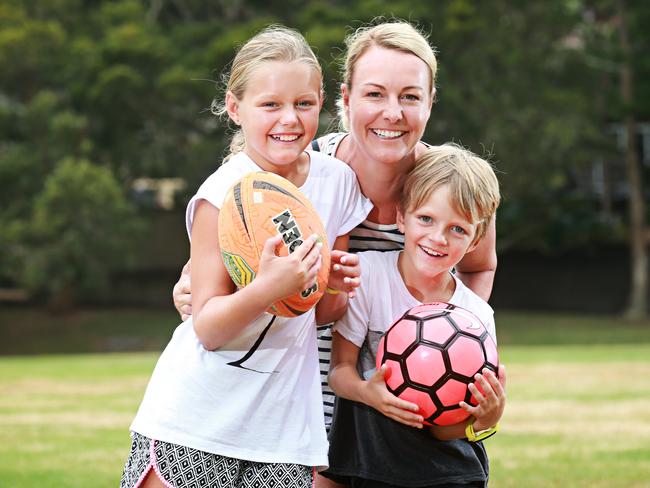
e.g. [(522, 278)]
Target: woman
[(386, 99)]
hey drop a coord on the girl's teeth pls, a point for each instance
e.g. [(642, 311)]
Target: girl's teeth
[(387, 134), (285, 138)]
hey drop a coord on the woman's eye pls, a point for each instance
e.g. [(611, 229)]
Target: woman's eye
[(411, 98), (374, 94)]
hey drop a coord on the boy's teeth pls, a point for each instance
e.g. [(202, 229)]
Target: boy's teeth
[(287, 138), (431, 252), (388, 134)]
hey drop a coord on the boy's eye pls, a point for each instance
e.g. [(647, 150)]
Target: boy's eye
[(425, 219), (269, 104), (458, 229), (306, 104)]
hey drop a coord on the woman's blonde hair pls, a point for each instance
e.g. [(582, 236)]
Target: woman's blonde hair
[(473, 185), (274, 43), (395, 34)]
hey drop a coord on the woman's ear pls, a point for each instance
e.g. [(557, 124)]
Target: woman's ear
[(232, 107), (345, 98), (400, 220), (433, 98)]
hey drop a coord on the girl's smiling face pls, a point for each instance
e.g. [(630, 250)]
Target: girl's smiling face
[(278, 113)]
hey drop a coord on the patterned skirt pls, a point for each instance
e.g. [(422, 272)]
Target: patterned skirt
[(182, 467)]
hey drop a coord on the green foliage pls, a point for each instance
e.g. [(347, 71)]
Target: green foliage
[(128, 84), (78, 233)]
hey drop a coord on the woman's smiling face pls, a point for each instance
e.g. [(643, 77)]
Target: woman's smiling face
[(389, 103)]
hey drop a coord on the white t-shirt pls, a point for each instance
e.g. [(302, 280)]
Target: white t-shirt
[(267, 407), (382, 298)]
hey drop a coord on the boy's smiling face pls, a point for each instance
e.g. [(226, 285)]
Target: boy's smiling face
[(436, 235)]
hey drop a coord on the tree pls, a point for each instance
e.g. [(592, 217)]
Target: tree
[(80, 231), (638, 302), (618, 42)]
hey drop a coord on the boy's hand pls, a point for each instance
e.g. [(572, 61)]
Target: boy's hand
[(490, 394), (345, 272), (377, 396), (181, 294)]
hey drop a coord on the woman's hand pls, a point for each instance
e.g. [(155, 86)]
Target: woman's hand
[(345, 272), (181, 293)]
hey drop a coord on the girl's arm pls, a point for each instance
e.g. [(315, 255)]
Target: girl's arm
[(221, 312), (343, 279), (491, 398), (346, 383), (477, 267)]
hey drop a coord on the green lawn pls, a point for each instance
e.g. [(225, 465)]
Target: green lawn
[(577, 413)]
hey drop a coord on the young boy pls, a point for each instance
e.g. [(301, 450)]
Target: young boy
[(377, 439)]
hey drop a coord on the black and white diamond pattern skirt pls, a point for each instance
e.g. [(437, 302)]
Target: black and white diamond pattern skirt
[(181, 467)]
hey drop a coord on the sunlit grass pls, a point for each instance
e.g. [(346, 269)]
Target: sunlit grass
[(577, 414)]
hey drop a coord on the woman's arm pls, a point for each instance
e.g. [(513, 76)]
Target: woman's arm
[(220, 312), (477, 268)]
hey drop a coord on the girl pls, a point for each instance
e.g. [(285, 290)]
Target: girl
[(208, 418)]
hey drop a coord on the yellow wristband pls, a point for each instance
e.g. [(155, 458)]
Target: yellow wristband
[(480, 435), (332, 291)]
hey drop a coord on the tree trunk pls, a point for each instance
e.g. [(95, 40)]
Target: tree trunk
[(637, 304)]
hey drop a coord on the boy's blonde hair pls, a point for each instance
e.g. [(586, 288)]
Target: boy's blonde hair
[(396, 34), (274, 43), (473, 185)]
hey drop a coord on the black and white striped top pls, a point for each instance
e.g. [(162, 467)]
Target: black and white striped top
[(367, 236)]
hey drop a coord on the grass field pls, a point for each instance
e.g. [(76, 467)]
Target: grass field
[(578, 402)]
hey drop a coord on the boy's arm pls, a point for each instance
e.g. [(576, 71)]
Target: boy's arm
[(477, 268), (346, 383), (491, 398), (344, 278)]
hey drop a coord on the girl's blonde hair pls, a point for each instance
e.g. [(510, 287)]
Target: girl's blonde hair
[(274, 43), (473, 185), (396, 34)]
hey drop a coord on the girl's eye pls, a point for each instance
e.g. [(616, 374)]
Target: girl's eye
[(269, 104), (425, 219), (458, 229)]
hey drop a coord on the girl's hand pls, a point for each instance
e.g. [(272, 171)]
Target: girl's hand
[(490, 394), (286, 275), (345, 272), (377, 396), (182, 294)]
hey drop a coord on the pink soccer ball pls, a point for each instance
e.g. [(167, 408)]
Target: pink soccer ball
[(432, 353)]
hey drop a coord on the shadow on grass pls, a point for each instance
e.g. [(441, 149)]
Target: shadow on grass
[(34, 331)]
